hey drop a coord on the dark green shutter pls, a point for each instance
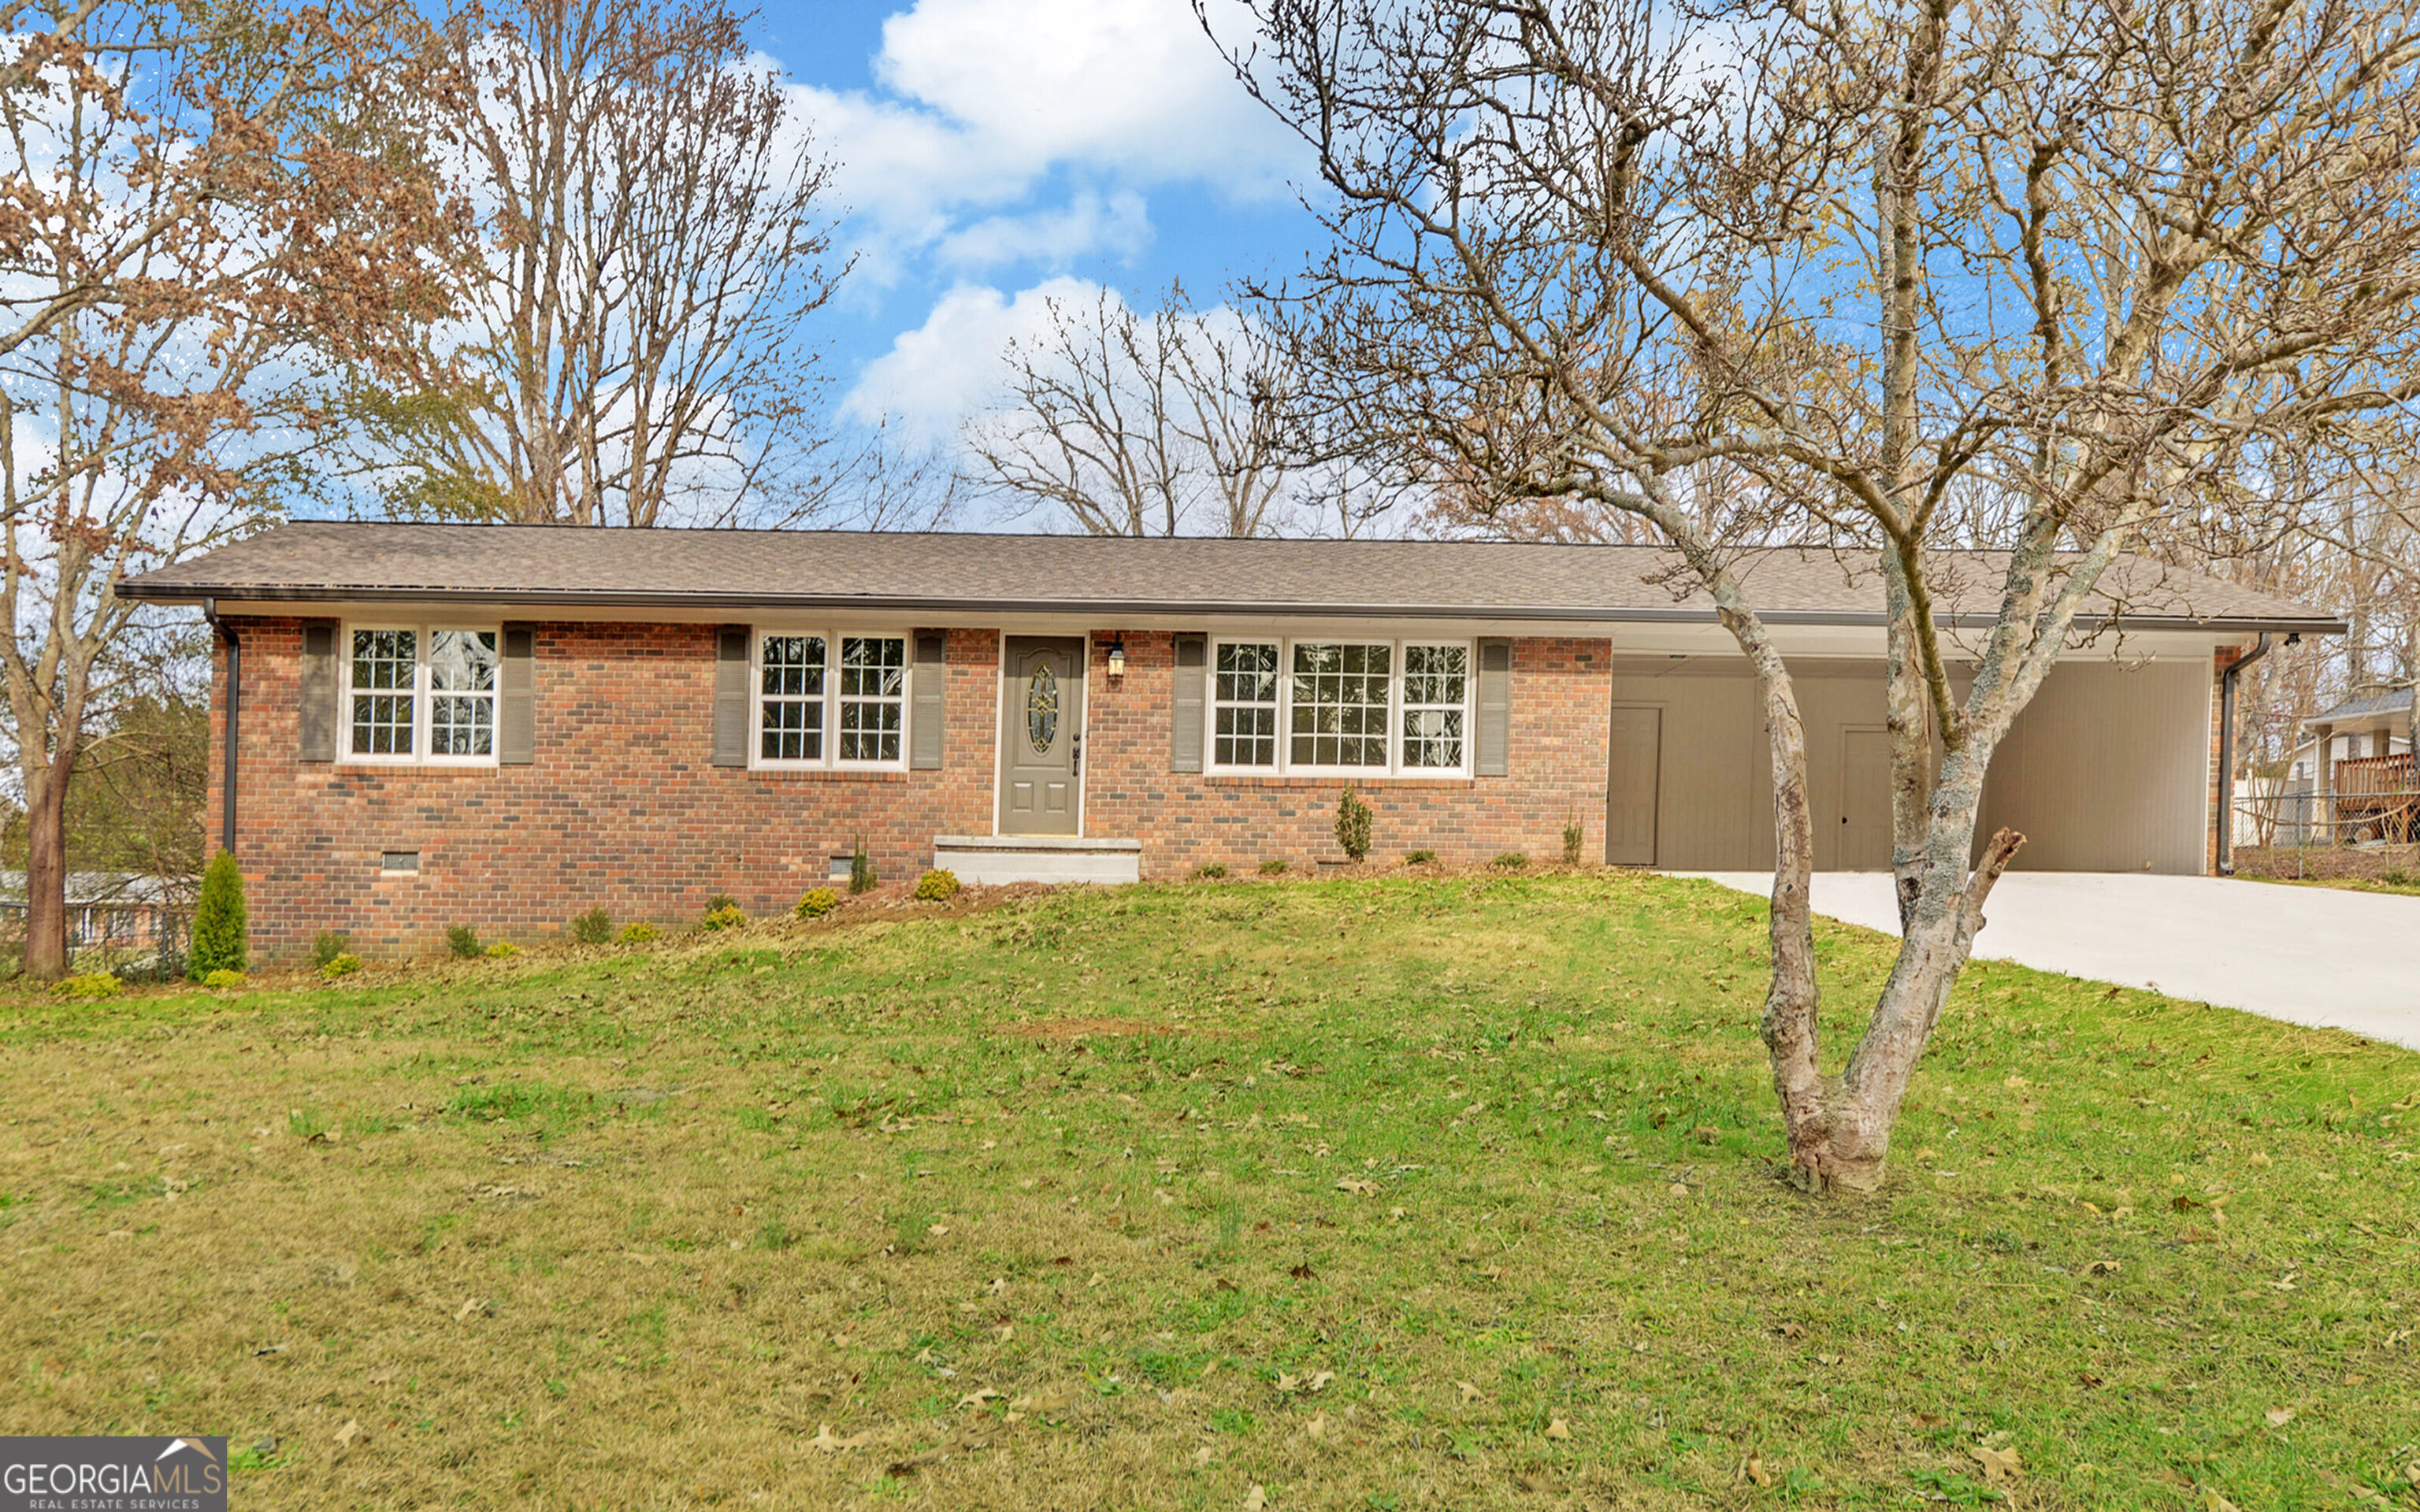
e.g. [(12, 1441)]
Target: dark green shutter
[(318, 711), (926, 704), (1186, 704), (1491, 753), (516, 698), (731, 696)]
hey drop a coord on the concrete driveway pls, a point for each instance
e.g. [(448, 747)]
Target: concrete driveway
[(2306, 955)]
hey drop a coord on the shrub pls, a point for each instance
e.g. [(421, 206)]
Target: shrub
[(1509, 861), (641, 932), (503, 951), (720, 902), (1209, 872), (343, 964), (1420, 857), (464, 942), (937, 887), (224, 978), (816, 901), (329, 943), (221, 936), (728, 917), (861, 871), (1353, 824), (1574, 836), (1273, 866), (88, 986), (595, 927)]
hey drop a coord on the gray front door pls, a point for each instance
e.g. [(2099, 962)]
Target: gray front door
[(1041, 735)]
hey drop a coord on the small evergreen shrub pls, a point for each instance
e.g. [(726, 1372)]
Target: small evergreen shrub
[(641, 932), (720, 902), (816, 901), (464, 942), (861, 871), (503, 951), (87, 987), (223, 979), (1275, 865), (1419, 858), (329, 943), (1209, 872), (1353, 824), (1574, 836), (222, 935), (595, 927), (343, 964), (937, 887), (1509, 861), (728, 917)]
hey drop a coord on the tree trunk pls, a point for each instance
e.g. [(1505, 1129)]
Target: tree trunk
[(46, 873)]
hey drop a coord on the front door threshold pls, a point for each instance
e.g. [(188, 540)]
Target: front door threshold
[(990, 860)]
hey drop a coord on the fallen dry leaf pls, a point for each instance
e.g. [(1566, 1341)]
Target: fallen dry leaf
[(2280, 1416), (1255, 1498), (1354, 1185), (1317, 1426), (1470, 1393), (1558, 1430), (469, 1305), (978, 1396), (2101, 1268), (351, 1434), (1999, 1464), (1756, 1471), (2213, 1501), (1204, 1454), (826, 1442)]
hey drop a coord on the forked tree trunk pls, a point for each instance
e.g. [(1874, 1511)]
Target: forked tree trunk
[(46, 874)]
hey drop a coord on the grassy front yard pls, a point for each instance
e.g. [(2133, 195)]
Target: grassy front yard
[(1369, 1195)]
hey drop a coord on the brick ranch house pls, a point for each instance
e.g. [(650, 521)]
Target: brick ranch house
[(422, 725)]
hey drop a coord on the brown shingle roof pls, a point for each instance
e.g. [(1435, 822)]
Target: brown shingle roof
[(325, 561)]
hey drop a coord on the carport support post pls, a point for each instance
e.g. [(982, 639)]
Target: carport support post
[(2227, 754)]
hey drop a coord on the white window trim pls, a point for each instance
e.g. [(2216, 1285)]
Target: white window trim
[(423, 700), (1394, 768), (830, 760)]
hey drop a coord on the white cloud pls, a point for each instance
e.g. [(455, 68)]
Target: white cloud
[(953, 366), (983, 100), (1121, 224)]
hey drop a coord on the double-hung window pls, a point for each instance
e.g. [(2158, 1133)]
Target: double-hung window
[(420, 693), (1337, 707), (825, 699)]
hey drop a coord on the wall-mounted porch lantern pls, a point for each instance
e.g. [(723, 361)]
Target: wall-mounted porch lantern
[(1117, 658)]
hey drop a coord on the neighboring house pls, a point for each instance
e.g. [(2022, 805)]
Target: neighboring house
[(504, 726), (2363, 787), (119, 910)]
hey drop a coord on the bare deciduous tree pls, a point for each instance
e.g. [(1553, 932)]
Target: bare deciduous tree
[(2084, 257), (636, 342), (1179, 421), (188, 223)]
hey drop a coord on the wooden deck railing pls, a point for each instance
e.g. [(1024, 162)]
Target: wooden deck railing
[(2375, 777)]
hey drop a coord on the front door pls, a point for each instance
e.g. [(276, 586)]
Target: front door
[(1636, 749), (1041, 734)]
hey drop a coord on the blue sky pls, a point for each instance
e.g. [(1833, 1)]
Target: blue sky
[(995, 153)]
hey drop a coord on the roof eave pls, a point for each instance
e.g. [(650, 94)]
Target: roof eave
[(152, 592)]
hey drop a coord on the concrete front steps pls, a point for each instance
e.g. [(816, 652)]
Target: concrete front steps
[(989, 860)]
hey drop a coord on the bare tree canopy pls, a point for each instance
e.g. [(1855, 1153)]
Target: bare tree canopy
[(191, 225), (1178, 422), (635, 345), (2086, 261)]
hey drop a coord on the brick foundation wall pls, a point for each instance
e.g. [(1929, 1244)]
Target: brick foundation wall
[(623, 810)]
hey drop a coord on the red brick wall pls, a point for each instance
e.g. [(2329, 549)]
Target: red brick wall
[(1561, 693), (622, 808)]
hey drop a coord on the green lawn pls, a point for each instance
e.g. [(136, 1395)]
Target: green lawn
[(1456, 1192)]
